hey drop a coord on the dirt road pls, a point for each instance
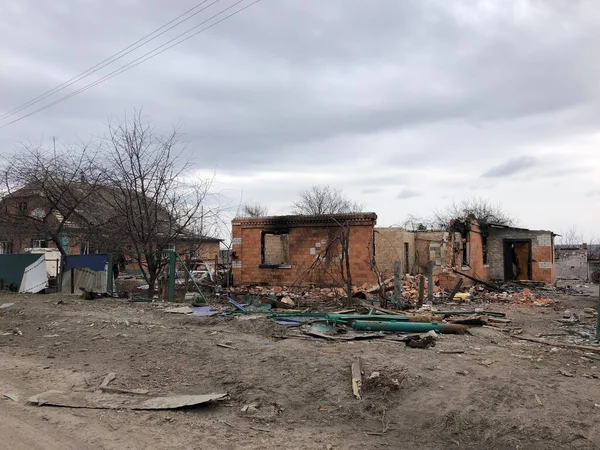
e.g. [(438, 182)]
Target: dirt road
[(501, 393)]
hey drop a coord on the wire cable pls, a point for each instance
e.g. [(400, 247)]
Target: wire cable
[(111, 59), (141, 59)]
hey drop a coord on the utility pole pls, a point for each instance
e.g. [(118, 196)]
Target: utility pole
[(54, 145)]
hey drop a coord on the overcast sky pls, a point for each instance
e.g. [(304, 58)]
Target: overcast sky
[(407, 105)]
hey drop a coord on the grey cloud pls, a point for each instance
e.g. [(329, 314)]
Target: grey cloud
[(407, 193), (371, 191), (295, 85), (593, 193), (511, 167), (254, 84), (566, 172)]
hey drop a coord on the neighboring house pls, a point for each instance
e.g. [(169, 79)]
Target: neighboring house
[(578, 262), (19, 230), (489, 252), (301, 250), (29, 221), (571, 262)]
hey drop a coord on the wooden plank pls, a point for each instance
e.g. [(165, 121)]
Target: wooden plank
[(421, 289), (107, 379), (457, 287), (430, 266), (477, 280), (587, 348), (397, 282), (356, 378)]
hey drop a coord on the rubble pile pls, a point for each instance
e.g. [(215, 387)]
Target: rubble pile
[(522, 297)]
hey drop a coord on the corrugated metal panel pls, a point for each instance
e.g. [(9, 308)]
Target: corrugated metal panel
[(86, 279)]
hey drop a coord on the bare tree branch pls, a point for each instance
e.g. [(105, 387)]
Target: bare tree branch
[(254, 210), (471, 208), (324, 199), (154, 205)]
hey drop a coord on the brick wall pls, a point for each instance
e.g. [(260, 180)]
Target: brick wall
[(390, 245), (542, 243), (313, 249), (476, 267)]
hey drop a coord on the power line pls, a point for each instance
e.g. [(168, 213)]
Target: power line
[(111, 59), (149, 55)]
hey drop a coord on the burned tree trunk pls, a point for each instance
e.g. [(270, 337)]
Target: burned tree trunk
[(345, 271)]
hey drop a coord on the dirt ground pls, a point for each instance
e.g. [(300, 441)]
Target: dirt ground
[(501, 393)]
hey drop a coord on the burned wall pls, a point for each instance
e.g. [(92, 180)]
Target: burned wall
[(542, 246), (301, 250)]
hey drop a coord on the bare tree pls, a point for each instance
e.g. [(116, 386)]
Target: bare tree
[(254, 210), (414, 223), (324, 199), (154, 204), (45, 193), (475, 207), (571, 236), (345, 273), (471, 208)]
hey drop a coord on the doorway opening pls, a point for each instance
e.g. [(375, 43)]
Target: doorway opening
[(517, 259)]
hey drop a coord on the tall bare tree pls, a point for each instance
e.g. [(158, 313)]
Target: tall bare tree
[(570, 236), (324, 199), (45, 192), (154, 202), (345, 272), (474, 207), (254, 210)]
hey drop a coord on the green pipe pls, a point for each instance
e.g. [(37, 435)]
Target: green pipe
[(468, 313), (351, 317), (284, 315), (142, 300), (343, 317), (407, 327)]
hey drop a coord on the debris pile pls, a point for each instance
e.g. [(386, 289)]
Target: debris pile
[(578, 327), (517, 296), (417, 328)]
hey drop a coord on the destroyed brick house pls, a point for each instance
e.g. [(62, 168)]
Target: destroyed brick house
[(488, 252), (18, 232), (296, 250), (301, 250)]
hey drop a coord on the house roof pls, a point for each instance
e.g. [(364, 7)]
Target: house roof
[(198, 237), (498, 225), (297, 220), (96, 209)]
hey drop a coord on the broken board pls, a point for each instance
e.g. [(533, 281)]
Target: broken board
[(103, 401)]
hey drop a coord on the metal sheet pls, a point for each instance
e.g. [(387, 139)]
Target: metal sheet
[(86, 279)]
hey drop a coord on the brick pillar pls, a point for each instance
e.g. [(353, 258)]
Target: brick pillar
[(236, 253)]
